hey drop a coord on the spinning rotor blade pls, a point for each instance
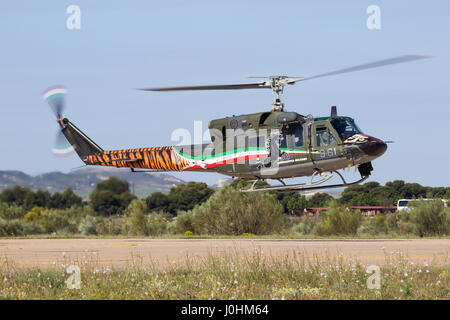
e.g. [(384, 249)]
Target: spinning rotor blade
[(62, 147), (276, 82), (376, 64), (259, 85), (55, 97)]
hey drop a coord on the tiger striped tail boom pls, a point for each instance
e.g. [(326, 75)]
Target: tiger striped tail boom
[(158, 158)]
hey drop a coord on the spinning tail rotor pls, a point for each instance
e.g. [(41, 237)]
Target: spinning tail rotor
[(55, 97)]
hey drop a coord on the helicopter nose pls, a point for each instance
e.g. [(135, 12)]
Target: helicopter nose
[(374, 147)]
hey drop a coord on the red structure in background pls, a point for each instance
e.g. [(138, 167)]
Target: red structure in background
[(365, 210), (374, 210)]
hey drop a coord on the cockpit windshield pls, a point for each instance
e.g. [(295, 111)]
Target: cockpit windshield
[(345, 127)]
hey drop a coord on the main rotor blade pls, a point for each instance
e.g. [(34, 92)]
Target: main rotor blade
[(376, 64), (259, 85)]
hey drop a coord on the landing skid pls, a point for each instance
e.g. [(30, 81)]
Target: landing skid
[(306, 186)]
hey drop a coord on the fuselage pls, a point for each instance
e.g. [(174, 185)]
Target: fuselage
[(262, 145)]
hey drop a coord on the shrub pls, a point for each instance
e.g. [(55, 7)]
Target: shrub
[(306, 225), (11, 211), (430, 218), (114, 225), (157, 223), (58, 221), (139, 223), (88, 225), (231, 212), (136, 214), (182, 222), (373, 225), (400, 223), (62, 221), (380, 224), (34, 215), (15, 227), (338, 220), (11, 228)]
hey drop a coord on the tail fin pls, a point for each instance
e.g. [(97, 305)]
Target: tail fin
[(82, 144)]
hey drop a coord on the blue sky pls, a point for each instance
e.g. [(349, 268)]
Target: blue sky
[(124, 45)]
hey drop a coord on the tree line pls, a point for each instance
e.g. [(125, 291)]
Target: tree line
[(112, 196), (195, 208)]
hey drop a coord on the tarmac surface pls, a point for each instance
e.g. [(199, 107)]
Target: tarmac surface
[(117, 253)]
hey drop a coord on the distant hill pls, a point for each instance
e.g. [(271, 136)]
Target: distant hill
[(82, 181)]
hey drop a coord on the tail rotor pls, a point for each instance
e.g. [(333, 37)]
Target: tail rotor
[(55, 97)]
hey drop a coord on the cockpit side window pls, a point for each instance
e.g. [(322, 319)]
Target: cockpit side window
[(345, 128)]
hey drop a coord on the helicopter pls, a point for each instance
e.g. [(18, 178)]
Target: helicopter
[(275, 144)]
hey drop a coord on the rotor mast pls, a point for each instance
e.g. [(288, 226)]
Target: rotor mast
[(277, 89), (277, 84)]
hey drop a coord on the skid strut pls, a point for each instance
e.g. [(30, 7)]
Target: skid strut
[(307, 186)]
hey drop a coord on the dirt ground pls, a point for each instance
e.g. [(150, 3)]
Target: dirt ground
[(116, 253)]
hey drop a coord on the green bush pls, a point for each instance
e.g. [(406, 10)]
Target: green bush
[(88, 225), (10, 228), (113, 225), (11, 211), (136, 214), (426, 218), (157, 223), (15, 227), (34, 215), (430, 218), (182, 222), (373, 225), (141, 223), (338, 220), (231, 212), (61, 221), (400, 223), (305, 226), (58, 221)]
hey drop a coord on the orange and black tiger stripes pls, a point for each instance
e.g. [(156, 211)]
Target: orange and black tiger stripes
[(159, 158)]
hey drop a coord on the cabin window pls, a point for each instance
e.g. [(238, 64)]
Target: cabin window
[(292, 136), (324, 136), (298, 136)]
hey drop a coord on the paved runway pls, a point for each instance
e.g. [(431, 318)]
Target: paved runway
[(50, 253)]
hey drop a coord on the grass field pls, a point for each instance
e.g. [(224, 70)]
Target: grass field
[(233, 276)]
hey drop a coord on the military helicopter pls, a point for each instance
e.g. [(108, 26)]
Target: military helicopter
[(275, 144)]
